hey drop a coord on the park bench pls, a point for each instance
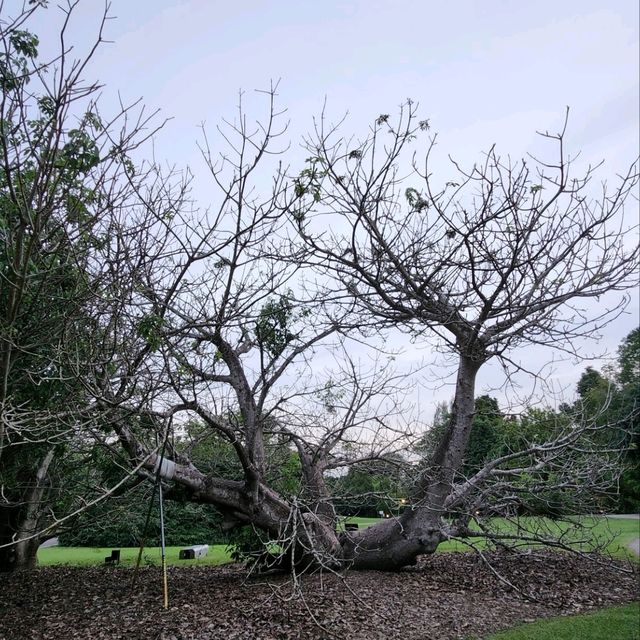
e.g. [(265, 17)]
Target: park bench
[(351, 526), (114, 558), (194, 552)]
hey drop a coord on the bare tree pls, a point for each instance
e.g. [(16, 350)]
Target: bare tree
[(168, 314), (504, 255), (218, 326), (223, 316), (229, 332), (219, 320)]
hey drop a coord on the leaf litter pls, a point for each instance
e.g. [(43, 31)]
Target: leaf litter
[(445, 596)]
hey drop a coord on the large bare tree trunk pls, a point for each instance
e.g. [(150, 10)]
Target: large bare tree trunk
[(395, 543), (21, 524)]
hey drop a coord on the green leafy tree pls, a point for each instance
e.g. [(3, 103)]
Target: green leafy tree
[(627, 407), (487, 437), (42, 277), (595, 392), (370, 488), (120, 522), (611, 400), (629, 359), (63, 177), (428, 443), (487, 434)]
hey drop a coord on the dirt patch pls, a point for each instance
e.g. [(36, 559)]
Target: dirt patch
[(445, 596)]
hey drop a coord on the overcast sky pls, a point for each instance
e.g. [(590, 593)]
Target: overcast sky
[(483, 72)]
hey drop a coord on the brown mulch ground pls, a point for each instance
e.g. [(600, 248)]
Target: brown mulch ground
[(445, 596)]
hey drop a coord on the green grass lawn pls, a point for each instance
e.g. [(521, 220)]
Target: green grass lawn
[(88, 556), (614, 623), (94, 556), (363, 523), (619, 531), (625, 530), (615, 534)]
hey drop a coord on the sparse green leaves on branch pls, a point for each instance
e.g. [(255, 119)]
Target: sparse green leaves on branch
[(415, 200), (14, 63), (150, 329), (309, 181), (273, 327), (80, 154)]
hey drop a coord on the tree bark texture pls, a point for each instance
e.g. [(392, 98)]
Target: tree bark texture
[(20, 524)]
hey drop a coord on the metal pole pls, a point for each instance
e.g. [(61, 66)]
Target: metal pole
[(163, 551)]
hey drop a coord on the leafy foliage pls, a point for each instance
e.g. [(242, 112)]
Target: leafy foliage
[(273, 326), (149, 328), (613, 399), (119, 522), (372, 487), (487, 434)]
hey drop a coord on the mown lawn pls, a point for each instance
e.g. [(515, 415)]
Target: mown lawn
[(88, 556), (614, 623), (618, 533), (614, 534)]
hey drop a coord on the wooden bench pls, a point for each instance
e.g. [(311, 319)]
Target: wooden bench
[(351, 526), (114, 558)]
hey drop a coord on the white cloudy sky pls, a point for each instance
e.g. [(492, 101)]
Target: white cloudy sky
[(483, 72)]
